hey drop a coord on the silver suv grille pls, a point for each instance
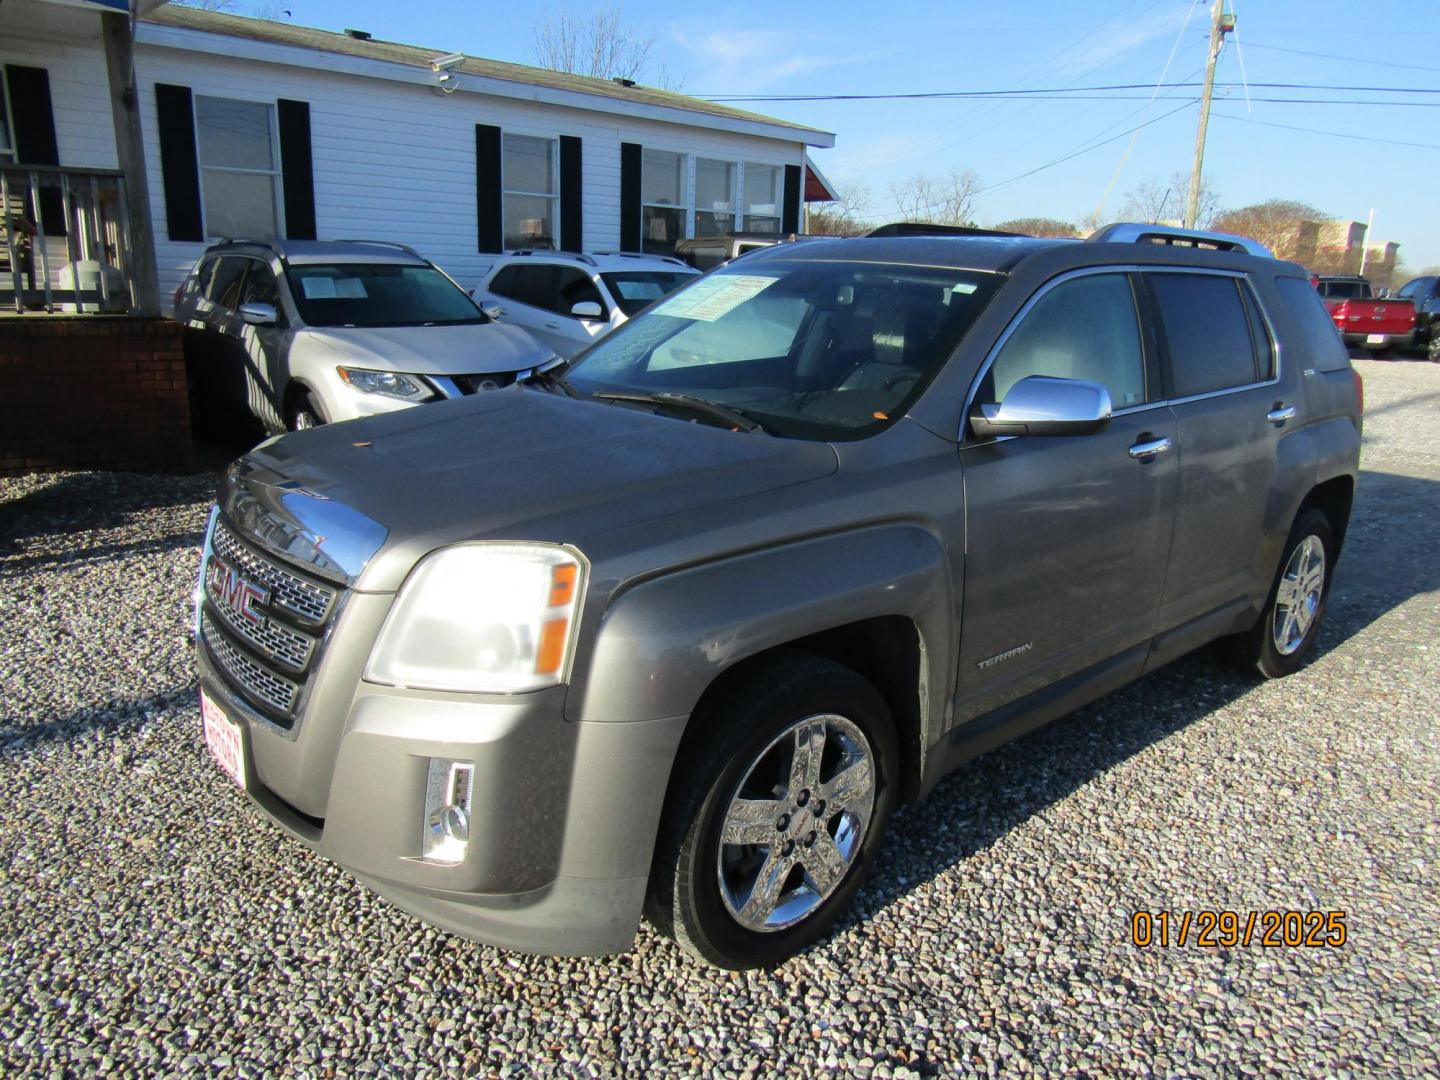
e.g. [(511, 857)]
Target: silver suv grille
[(262, 623)]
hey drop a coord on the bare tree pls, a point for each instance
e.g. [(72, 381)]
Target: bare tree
[(598, 44), (1164, 200), (268, 9), (1275, 223), (1039, 226), (938, 200), (843, 217)]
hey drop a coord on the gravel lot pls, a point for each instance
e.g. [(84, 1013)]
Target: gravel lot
[(153, 922)]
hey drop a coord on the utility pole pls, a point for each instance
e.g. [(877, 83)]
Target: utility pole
[(1221, 24)]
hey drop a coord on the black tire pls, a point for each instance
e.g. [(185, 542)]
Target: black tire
[(1432, 349), (303, 413), (1256, 650), (732, 733)]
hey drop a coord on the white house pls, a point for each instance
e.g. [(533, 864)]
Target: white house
[(255, 128)]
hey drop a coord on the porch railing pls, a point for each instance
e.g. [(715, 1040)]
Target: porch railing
[(64, 242)]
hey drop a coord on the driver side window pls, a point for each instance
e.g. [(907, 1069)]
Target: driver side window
[(1086, 328)]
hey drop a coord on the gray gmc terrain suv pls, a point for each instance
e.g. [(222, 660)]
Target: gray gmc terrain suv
[(673, 629)]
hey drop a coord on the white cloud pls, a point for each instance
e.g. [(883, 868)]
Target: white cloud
[(741, 61)]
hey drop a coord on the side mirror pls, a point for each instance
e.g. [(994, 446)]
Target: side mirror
[(587, 309), (259, 314), (1041, 405)]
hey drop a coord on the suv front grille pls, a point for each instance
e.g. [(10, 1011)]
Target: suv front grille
[(478, 384), (263, 624)]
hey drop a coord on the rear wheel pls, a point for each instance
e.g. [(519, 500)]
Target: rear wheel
[(1433, 349), (775, 813), (1289, 624)]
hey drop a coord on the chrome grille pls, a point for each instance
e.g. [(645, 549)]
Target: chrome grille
[(245, 672), (262, 624), (306, 599), (290, 648)]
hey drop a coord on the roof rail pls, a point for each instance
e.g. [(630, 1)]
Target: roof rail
[(926, 228), (381, 243), (226, 241), (1136, 233), (643, 255), (554, 253)]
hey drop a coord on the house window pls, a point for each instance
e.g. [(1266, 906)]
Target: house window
[(762, 198), (530, 172), (714, 197), (663, 204), (239, 167)]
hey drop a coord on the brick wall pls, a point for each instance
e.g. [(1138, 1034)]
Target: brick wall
[(91, 392)]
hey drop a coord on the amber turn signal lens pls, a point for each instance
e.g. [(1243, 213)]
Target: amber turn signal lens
[(551, 655), (562, 585)]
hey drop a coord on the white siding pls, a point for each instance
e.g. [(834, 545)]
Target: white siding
[(67, 45), (392, 160)]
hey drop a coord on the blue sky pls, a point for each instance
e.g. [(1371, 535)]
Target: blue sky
[(919, 45)]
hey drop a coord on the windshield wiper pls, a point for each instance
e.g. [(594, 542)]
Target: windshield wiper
[(734, 417), (553, 377)]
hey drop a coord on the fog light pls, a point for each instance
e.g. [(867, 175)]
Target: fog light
[(446, 829)]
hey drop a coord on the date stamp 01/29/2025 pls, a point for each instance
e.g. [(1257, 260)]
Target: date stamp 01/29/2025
[(1231, 929)]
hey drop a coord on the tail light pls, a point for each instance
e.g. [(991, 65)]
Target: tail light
[(1340, 312), (179, 292), (1359, 390)]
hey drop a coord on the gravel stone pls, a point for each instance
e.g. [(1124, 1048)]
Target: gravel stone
[(153, 922)]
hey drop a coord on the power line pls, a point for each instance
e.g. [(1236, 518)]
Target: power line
[(1041, 92), (1349, 59), (1332, 134)]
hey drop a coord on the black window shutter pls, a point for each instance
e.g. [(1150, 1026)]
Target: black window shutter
[(571, 194), (790, 215), (488, 192), (630, 160), (179, 166), (297, 174), (34, 124)]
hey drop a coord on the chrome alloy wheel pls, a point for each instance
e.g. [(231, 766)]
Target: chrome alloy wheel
[(1297, 600), (795, 822)]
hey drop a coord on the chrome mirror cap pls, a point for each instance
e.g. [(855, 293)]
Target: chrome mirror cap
[(587, 309), (259, 314), (1042, 405)]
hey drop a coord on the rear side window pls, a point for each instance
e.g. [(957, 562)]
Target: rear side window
[(1319, 345), (1207, 332), (1085, 328)]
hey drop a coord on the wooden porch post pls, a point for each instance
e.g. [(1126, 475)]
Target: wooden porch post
[(119, 34)]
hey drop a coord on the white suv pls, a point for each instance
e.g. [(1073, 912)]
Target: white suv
[(567, 300)]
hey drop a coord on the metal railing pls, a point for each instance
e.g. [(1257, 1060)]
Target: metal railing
[(64, 242)]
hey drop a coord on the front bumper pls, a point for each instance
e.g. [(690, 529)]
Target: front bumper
[(563, 819)]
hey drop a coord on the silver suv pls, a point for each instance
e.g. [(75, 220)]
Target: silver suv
[(302, 333), (675, 629)]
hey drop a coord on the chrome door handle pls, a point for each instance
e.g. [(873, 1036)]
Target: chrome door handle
[(1280, 414), (1145, 451)]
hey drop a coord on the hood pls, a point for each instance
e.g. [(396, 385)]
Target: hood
[(514, 464), (476, 349)]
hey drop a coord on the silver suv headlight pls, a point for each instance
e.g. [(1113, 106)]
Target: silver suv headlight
[(483, 618), (389, 383)]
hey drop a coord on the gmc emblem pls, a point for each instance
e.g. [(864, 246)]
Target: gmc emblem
[(242, 597)]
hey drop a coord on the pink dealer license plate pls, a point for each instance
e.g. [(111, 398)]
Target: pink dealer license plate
[(223, 737)]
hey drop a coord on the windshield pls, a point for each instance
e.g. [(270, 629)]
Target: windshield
[(635, 290), (829, 351), (378, 294)]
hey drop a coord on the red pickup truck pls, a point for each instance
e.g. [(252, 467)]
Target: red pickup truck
[(1364, 320)]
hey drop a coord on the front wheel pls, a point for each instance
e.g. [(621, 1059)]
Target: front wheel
[(304, 414), (1277, 644), (1432, 350), (776, 810)]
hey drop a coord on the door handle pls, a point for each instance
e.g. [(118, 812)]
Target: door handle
[(1280, 414), (1149, 449), (553, 325)]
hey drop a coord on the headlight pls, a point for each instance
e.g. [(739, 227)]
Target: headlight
[(390, 383), (483, 618)]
